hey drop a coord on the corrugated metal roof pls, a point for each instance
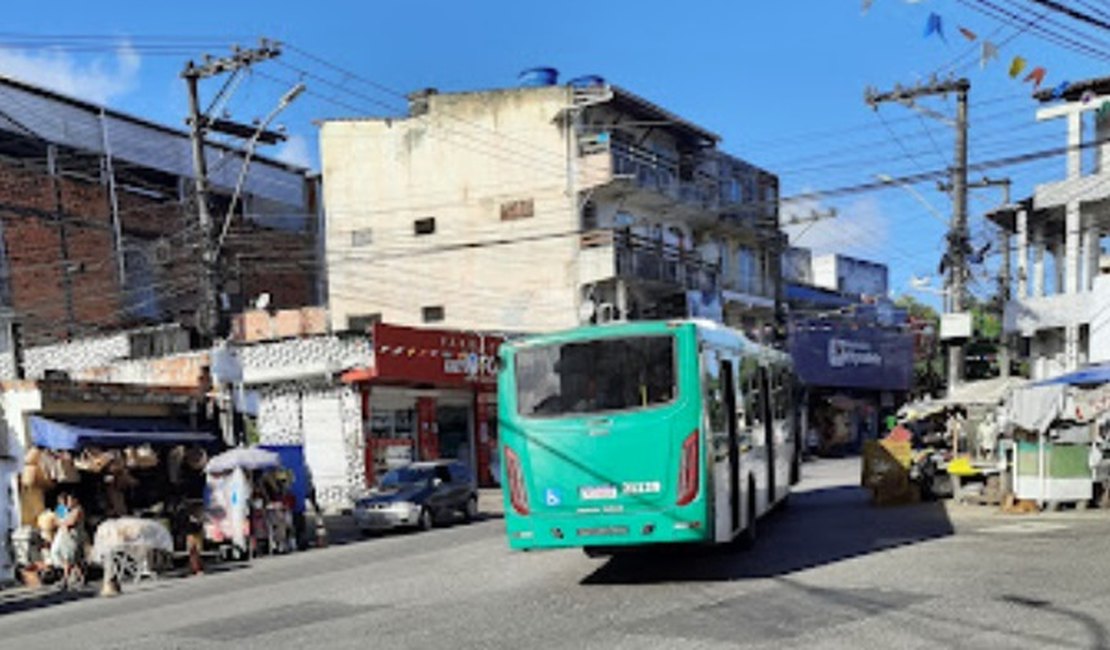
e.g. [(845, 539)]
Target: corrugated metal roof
[(29, 110)]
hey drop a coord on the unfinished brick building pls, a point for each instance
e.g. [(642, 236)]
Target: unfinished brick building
[(98, 226)]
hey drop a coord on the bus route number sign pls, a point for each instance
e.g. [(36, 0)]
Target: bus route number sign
[(641, 487)]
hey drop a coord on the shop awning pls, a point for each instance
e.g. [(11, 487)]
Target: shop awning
[(111, 432), (1096, 374)]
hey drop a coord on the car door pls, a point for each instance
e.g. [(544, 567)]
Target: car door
[(463, 483), (441, 499)]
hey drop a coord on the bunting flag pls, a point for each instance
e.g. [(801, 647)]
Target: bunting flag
[(1036, 76), (1087, 96), (1059, 90), (968, 34), (866, 6), (1016, 66), (990, 51), (1104, 109), (934, 25)]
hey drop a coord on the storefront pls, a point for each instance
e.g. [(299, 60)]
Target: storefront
[(429, 394), (854, 372)]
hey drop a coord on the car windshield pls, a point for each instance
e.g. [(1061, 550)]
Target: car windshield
[(405, 476), (609, 374)]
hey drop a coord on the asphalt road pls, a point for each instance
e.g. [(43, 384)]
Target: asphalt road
[(830, 571)]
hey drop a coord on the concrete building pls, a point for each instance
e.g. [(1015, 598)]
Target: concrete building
[(538, 208), (98, 226), (1059, 304), (849, 275)]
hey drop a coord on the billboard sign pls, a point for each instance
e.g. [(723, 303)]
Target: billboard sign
[(843, 357)]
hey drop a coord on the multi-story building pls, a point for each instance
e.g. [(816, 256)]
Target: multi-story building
[(99, 227), (538, 208), (1060, 302)]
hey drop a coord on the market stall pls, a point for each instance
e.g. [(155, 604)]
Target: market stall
[(250, 502), (1061, 431), (150, 469)]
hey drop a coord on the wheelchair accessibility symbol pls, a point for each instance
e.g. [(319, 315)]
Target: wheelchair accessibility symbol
[(552, 497)]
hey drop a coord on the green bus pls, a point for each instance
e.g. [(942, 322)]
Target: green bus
[(643, 433)]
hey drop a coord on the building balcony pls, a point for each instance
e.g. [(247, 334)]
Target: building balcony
[(634, 257), (651, 182), (1026, 316)]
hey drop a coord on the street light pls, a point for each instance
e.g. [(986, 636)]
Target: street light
[(282, 104)]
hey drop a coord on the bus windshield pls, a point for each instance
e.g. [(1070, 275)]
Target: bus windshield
[(608, 374)]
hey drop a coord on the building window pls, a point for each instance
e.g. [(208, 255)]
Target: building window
[(513, 210), (589, 216), (432, 313), (361, 237), (363, 322), (425, 226)]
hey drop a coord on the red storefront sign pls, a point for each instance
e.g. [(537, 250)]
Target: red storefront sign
[(434, 357)]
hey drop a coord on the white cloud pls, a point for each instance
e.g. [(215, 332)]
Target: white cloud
[(860, 229), (99, 79), (295, 151)]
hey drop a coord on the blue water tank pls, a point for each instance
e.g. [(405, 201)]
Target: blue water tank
[(537, 77), (587, 81)]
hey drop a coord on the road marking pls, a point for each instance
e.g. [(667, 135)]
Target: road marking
[(1024, 528)]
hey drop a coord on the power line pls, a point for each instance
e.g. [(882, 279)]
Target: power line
[(1073, 13)]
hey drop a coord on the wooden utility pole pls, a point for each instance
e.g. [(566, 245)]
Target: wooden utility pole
[(208, 314), (958, 237)]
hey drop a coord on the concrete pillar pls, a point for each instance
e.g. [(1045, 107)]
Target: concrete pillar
[(1022, 255), (1038, 261), (1071, 347), (1072, 231), (1075, 139), (1091, 253), (1102, 132)]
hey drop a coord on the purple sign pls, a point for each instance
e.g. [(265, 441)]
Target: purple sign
[(840, 357)]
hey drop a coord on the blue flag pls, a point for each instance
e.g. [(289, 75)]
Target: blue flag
[(934, 25)]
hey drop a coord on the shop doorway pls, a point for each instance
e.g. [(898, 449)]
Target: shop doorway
[(453, 423)]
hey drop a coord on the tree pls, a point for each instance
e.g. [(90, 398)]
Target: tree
[(928, 366)]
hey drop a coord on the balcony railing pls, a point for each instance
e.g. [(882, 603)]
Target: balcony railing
[(644, 258), (708, 184)]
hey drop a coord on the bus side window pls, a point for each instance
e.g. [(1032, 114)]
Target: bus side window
[(753, 414)]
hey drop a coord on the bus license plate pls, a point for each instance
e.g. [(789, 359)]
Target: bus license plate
[(597, 492)]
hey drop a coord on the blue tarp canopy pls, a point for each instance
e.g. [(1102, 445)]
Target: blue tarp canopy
[(111, 432), (1099, 374)]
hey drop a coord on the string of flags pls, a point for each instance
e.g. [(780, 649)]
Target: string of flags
[(989, 52)]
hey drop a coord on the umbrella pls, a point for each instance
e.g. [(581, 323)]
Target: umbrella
[(245, 457)]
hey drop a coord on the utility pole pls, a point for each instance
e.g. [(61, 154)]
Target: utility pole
[(1004, 343), (208, 314), (958, 238)]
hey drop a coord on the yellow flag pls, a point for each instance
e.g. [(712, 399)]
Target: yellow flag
[(1016, 66)]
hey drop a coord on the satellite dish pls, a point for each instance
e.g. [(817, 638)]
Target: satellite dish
[(263, 301)]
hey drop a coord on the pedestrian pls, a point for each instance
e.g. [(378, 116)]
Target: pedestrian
[(69, 542)]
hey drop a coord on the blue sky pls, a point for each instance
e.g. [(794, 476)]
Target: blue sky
[(782, 81)]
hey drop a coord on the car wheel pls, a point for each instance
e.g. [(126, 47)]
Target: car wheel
[(425, 522), (470, 513)]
